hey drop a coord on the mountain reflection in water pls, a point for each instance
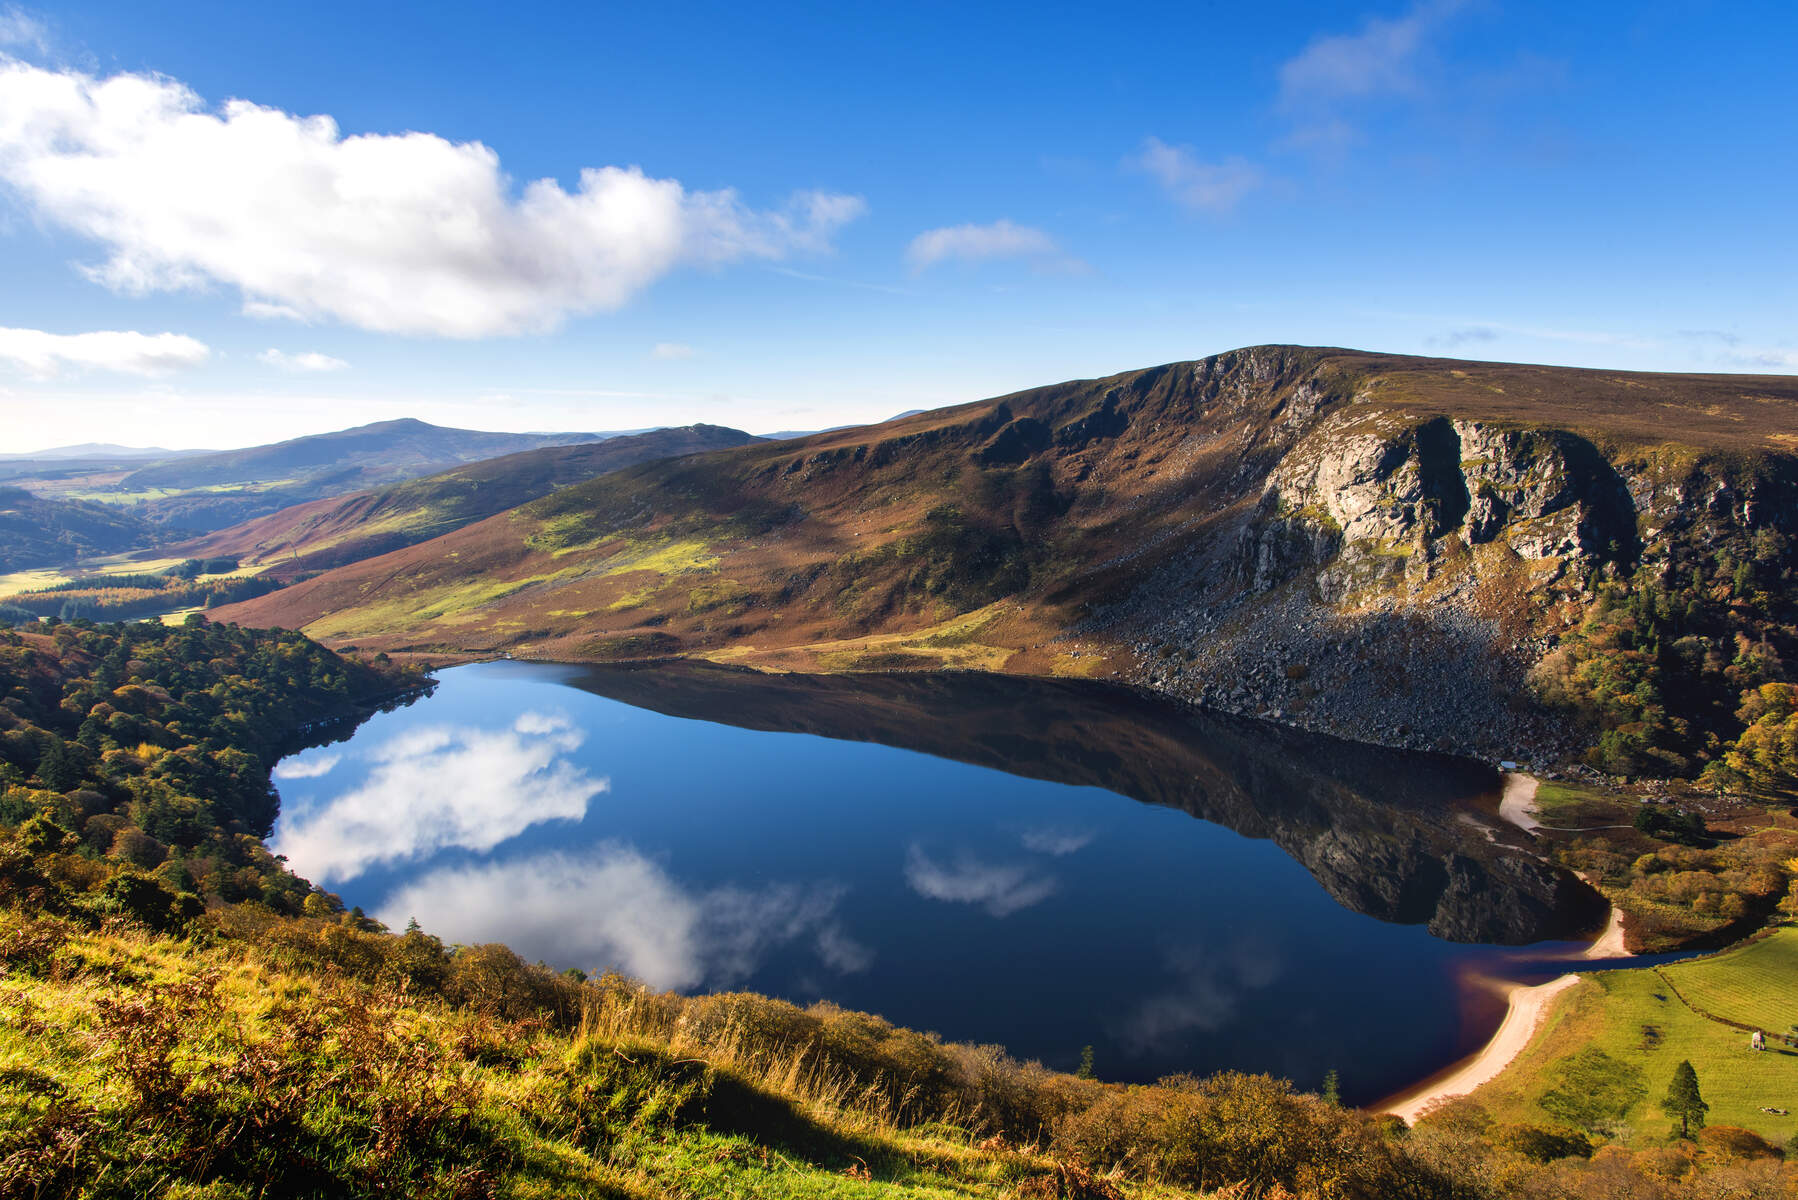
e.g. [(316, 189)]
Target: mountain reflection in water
[(1411, 838), (954, 852)]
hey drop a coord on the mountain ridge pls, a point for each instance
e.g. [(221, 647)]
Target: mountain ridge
[(333, 531), (1221, 530)]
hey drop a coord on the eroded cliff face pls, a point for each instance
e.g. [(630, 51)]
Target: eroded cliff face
[(1395, 576)]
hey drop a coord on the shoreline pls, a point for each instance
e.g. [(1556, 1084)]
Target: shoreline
[(1518, 803), (1526, 1005)]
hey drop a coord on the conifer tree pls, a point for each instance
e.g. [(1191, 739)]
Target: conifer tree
[(1683, 1100)]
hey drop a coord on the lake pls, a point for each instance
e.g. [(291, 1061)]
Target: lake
[(1042, 864)]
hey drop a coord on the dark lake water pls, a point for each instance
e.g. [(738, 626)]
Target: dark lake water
[(1039, 864)]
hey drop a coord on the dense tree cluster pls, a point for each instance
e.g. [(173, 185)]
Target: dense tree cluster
[(125, 597), (1684, 668), (134, 760)]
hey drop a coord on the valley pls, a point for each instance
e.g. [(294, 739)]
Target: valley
[(1307, 597)]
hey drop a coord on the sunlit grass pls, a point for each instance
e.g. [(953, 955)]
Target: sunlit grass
[(1634, 1017)]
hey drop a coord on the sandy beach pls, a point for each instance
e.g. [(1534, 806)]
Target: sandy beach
[(1527, 1006), (1518, 803)]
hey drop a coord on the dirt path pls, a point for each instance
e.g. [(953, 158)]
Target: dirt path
[(1527, 1006)]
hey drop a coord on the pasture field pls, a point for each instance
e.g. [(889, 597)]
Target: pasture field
[(1643, 1029), (1756, 984)]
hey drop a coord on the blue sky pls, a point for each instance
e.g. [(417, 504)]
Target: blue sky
[(224, 224)]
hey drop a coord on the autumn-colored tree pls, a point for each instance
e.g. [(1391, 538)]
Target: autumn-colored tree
[(1766, 755)]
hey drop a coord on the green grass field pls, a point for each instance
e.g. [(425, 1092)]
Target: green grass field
[(1639, 1022), (1755, 985)]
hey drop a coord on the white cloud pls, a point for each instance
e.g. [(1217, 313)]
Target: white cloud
[(1198, 185), (19, 28), (672, 351), (405, 233), (1380, 59), (441, 786), (612, 907), (307, 767), (308, 361), (46, 355), (1001, 239), (999, 888)]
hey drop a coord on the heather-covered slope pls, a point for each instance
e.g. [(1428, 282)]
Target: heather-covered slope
[(345, 529), (1381, 546)]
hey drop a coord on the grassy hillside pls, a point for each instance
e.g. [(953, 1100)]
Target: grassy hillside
[(345, 529), (1222, 530), (39, 532)]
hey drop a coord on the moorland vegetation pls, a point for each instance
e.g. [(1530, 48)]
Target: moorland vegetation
[(184, 1017)]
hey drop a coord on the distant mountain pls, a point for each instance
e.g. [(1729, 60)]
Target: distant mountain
[(345, 529), (101, 452), (1394, 549), (37, 532), (403, 447), (212, 490)]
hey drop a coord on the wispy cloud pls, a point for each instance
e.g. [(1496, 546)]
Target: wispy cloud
[(442, 786), (973, 243), (1210, 187), (406, 233), (1489, 331), (672, 351), (44, 355), (19, 28), (886, 288), (612, 907), (1335, 71), (1777, 359), (1464, 330), (1002, 889), (1464, 337), (307, 362)]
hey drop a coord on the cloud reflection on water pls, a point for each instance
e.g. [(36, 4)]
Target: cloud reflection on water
[(437, 787), (307, 767), (1001, 888), (611, 907), (1057, 841), (1210, 988)]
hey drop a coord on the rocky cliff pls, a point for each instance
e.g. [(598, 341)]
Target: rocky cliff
[(1381, 547)]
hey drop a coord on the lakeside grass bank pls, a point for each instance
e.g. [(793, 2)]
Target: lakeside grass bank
[(1619, 1034)]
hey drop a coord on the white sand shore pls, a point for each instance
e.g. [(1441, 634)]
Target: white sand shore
[(1519, 1026), (1610, 942), (1526, 1005), (1518, 804)]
